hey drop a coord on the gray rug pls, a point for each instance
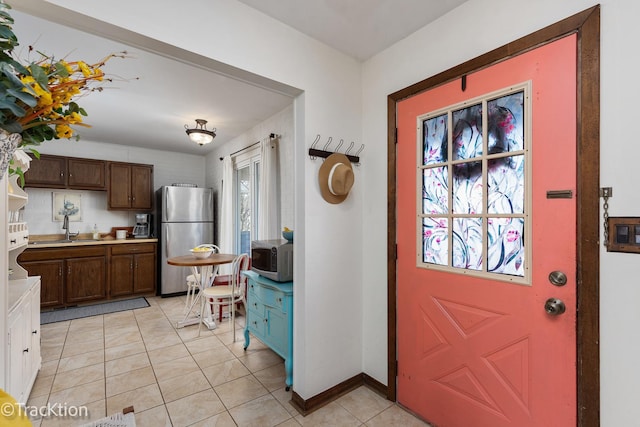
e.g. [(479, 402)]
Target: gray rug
[(91, 310)]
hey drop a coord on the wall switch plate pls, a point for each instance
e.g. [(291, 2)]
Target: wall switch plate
[(624, 234)]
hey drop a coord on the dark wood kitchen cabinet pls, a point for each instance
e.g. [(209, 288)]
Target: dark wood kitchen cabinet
[(130, 186), (47, 171), (51, 279), (132, 269), (86, 174), (69, 276), (66, 172), (86, 279)]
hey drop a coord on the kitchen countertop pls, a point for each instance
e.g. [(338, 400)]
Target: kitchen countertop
[(53, 241), (17, 290)]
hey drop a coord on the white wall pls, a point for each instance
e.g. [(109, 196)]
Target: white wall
[(168, 168), (455, 39), (328, 265)]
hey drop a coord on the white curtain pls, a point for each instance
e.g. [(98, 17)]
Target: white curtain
[(225, 242), (269, 194)]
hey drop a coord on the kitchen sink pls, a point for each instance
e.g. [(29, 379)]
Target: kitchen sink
[(44, 242)]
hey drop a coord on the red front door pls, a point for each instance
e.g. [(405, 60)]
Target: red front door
[(476, 346)]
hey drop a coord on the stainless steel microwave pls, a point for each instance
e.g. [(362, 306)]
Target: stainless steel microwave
[(273, 259)]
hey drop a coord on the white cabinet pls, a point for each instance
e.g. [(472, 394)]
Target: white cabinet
[(19, 299), (17, 230), (23, 347)]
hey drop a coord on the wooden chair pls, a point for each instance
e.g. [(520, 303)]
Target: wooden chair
[(232, 294), (223, 280)]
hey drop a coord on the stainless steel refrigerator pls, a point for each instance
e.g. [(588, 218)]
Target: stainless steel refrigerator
[(184, 221)]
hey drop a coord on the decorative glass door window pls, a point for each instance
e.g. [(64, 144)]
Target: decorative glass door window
[(473, 183)]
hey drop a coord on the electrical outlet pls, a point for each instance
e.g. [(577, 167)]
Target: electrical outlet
[(606, 192)]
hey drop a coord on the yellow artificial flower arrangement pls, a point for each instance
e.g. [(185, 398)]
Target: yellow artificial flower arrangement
[(37, 98)]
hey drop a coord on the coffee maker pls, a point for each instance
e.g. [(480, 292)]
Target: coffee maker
[(142, 229)]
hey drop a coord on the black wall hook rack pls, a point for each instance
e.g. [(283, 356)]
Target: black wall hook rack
[(314, 152)]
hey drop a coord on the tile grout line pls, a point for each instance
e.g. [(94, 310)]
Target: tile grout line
[(184, 339)]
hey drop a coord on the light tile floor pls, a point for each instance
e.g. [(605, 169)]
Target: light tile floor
[(172, 377)]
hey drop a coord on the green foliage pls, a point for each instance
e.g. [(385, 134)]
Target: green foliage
[(15, 96), (36, 97)]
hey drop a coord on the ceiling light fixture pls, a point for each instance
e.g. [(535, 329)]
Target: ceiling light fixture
[(200, 134)]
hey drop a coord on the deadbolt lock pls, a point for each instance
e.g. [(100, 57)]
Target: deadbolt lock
[(558, 278)]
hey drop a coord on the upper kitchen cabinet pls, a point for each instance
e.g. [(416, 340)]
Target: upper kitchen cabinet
[(66, 172), (86, 174), (130, 186)]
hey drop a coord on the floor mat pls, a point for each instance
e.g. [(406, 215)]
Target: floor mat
[(91, 310)]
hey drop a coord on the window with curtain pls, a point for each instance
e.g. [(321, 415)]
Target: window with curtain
[(250, 200), (246, 191)]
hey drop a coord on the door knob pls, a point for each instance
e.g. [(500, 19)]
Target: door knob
[(558, 278), (554, 306)]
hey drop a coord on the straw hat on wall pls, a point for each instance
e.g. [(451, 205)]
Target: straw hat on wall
[(335, 178)]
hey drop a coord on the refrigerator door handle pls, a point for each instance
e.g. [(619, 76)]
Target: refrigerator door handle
[(166, 239), (166, 203)]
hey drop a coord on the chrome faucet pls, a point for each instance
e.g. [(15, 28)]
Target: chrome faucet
[(65, 227)]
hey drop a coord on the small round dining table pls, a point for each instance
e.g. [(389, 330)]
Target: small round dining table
[(204, 271)]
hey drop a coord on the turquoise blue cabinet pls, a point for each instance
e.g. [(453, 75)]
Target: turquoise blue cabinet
[(270, 317)]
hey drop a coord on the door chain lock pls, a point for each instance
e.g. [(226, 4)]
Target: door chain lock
[(606, 193)]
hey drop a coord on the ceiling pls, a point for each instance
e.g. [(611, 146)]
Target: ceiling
[(356, 27), (146, 106)]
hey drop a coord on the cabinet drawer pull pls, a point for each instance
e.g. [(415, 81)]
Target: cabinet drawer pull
[(26, 350), (13, 241)]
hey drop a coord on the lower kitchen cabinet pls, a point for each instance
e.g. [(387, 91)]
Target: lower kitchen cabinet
[(23, 350), (69, 275), (86, 279), (270, 317), (132, 269), (92, 273), (52, 283)]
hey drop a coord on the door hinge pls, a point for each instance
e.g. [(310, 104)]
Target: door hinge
[(396, 136), (396, 368), (396, 251)]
